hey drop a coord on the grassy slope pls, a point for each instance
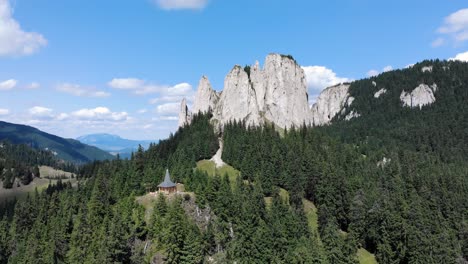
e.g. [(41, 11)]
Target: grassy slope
[(365, 257), (209, 167), (39, 183)]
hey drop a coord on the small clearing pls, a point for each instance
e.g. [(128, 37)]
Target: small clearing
[(210, 167), (365, 257)]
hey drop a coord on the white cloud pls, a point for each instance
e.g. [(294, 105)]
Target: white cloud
[(77, 90), (8, 84), (371, 73), (62, 116), (142, 111), (456, 26), (461, 57), (172, 94), (4, 111), (181, 4), (138, 86), (41, 112), (126, 83), (438, 42), (387, 68), (168, 109), (33, 85), (320, 77), (99, 114), (374, 72), (13, 40)]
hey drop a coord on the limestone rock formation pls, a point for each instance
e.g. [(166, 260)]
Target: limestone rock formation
[(330, 102), (238, 100), (380, 92), (285, 99), (275, 94), (427, 68), (206, 98), (351, 115), (185, 117), (420, 96)]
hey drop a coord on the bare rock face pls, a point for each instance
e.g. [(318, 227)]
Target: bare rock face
[(330, 102), (286, 99), (427, 68), (185, 116), (206, 98), (420, 96), (238, 100), (277, 93), (380, 92)]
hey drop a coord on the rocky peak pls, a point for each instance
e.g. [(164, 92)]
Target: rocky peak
[(206, 98), (185, 117), (238, 99), (276, 93), (330, 102)]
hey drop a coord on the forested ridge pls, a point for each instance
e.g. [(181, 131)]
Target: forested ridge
[(69, 150), (393, 181), (21, 162)]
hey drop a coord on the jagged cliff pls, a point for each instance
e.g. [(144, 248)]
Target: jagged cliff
[(275, 94)]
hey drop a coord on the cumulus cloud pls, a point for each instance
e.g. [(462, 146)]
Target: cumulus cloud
[(320, 77), (374, 72), (99, 114), (168, 109), (8, 84), (78, 90), (41, 112), (4, 111), (126, 83), (138, 86), (371, 73), (174, 94), (13, 40), (461, 57), (387, 68), (181, 4), (455, 26)]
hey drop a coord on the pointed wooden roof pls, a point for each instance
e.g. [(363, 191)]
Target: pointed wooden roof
[(167, 183)]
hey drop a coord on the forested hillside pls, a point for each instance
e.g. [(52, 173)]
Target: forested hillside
[(393, 181), (21, 163), (69, 150)]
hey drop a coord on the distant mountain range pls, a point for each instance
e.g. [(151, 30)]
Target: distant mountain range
[(66, 149), (115, 144)]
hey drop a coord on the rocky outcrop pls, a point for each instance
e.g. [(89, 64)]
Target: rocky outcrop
[(380, 92), (420, 96), (275, 94), (427, 68), (330, 102), (238, 99), (351, 115), (206, 98), (185, 116), (285, 99)]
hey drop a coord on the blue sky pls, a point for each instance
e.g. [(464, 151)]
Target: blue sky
[(121, 66)]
